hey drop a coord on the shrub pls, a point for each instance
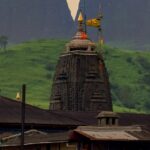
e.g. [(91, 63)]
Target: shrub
[(50, 66), (130, 60), (146, 79), (125, 95), (147, 105), (49, 76), (144, 63)]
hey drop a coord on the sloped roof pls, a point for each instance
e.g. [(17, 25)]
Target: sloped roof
[(125, 119), (35, 137), (10, 111), (5, 134), (117, 133)]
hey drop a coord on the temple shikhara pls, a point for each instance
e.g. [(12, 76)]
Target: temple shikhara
[(80, 115), (81, 81)]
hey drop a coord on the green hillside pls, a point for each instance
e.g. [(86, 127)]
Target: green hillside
[(129, 73), (34, 62)]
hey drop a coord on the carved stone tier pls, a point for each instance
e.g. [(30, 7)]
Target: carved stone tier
[(80, 83)]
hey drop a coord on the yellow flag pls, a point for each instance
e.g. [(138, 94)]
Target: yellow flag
[(95, 22)]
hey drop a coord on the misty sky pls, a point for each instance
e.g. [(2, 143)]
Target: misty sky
[(73, 6)]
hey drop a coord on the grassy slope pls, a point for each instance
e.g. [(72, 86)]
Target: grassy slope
[(129, 72), (34, 62), (26, 63)]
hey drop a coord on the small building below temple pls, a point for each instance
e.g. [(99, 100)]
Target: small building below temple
[(97, 133), (112, 138)]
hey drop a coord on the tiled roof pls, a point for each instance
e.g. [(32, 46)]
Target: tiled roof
[(35, 137), (125, 119), (10, 114), (117, 133)]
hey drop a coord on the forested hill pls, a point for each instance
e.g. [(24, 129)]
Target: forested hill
[(34, 63), (126, 22)]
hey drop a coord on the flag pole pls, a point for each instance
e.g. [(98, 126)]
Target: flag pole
[(23, 115), (84, 9)]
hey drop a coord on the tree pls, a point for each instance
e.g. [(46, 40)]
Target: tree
[(3, 42)]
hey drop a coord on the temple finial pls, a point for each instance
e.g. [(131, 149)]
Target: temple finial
[(80, 18), (80, 22), (18, 97)]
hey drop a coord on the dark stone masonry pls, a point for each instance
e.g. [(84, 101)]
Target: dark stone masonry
[(81, 80)]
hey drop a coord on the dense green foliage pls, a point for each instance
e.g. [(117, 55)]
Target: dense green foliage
[(130, 78), (34, 63)]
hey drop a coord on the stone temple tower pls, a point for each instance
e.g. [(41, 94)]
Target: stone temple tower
[(80, 81)]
